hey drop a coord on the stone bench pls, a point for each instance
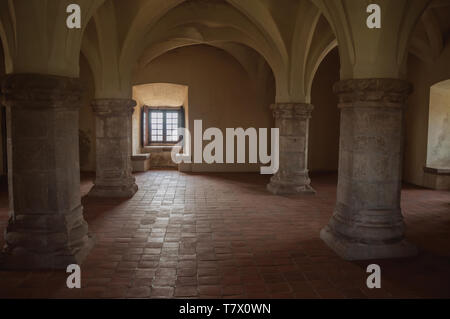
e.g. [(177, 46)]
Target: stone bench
[(161, 155), (140, 163), (437, 178)]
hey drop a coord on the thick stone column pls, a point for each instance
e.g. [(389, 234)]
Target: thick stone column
[(367, 221), (293, 121), (46, 227), (114, 168)]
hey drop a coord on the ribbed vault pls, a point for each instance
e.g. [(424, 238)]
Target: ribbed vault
[(292, 36), (293, 45)]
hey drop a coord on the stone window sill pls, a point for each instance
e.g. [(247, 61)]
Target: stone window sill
[(437, 171), (160, 148), (140, 157)]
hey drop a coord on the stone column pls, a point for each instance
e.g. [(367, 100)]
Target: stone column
[(46, 228), (367, 221), (114, 168), (293, 121)]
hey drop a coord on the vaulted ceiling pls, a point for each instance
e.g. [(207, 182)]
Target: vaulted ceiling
[(432, 32), (291, 37)]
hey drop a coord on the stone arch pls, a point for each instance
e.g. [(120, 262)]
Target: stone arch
[(219, 88), (261, 16), (302, 42), (35, 43), (175, 23), (359, 46), (247, 57), (4, 38), (429, 36), (114, 57), (324, 42)]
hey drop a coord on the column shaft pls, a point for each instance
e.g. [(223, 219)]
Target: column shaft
[(367, 221), (293, 121), (114, 169), (46, 229)]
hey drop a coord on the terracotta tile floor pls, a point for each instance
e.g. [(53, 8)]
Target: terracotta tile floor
[(224, 236)]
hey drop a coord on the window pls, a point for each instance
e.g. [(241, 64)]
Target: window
[(156, 126), (161, 125)]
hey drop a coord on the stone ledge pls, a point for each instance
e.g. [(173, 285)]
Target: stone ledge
[(437, 171), (162, 155), (436, 178), (140, 157), (160, 148), (140, 162)]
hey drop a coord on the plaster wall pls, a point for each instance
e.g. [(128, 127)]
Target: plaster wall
[(438, 155)]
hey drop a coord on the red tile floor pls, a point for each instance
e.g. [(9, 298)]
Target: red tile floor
[(224, 236)]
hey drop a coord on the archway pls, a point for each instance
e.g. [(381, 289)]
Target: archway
[(153, 100), (219, 89), (437, 170), (323, 154)]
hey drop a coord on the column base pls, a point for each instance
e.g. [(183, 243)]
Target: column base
[(113, 191), (277, 188), (21, 259), (351, 250)]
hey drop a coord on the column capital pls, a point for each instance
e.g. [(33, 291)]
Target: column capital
[(113, 107), (292, 110), (373, 92), (32, 91)]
